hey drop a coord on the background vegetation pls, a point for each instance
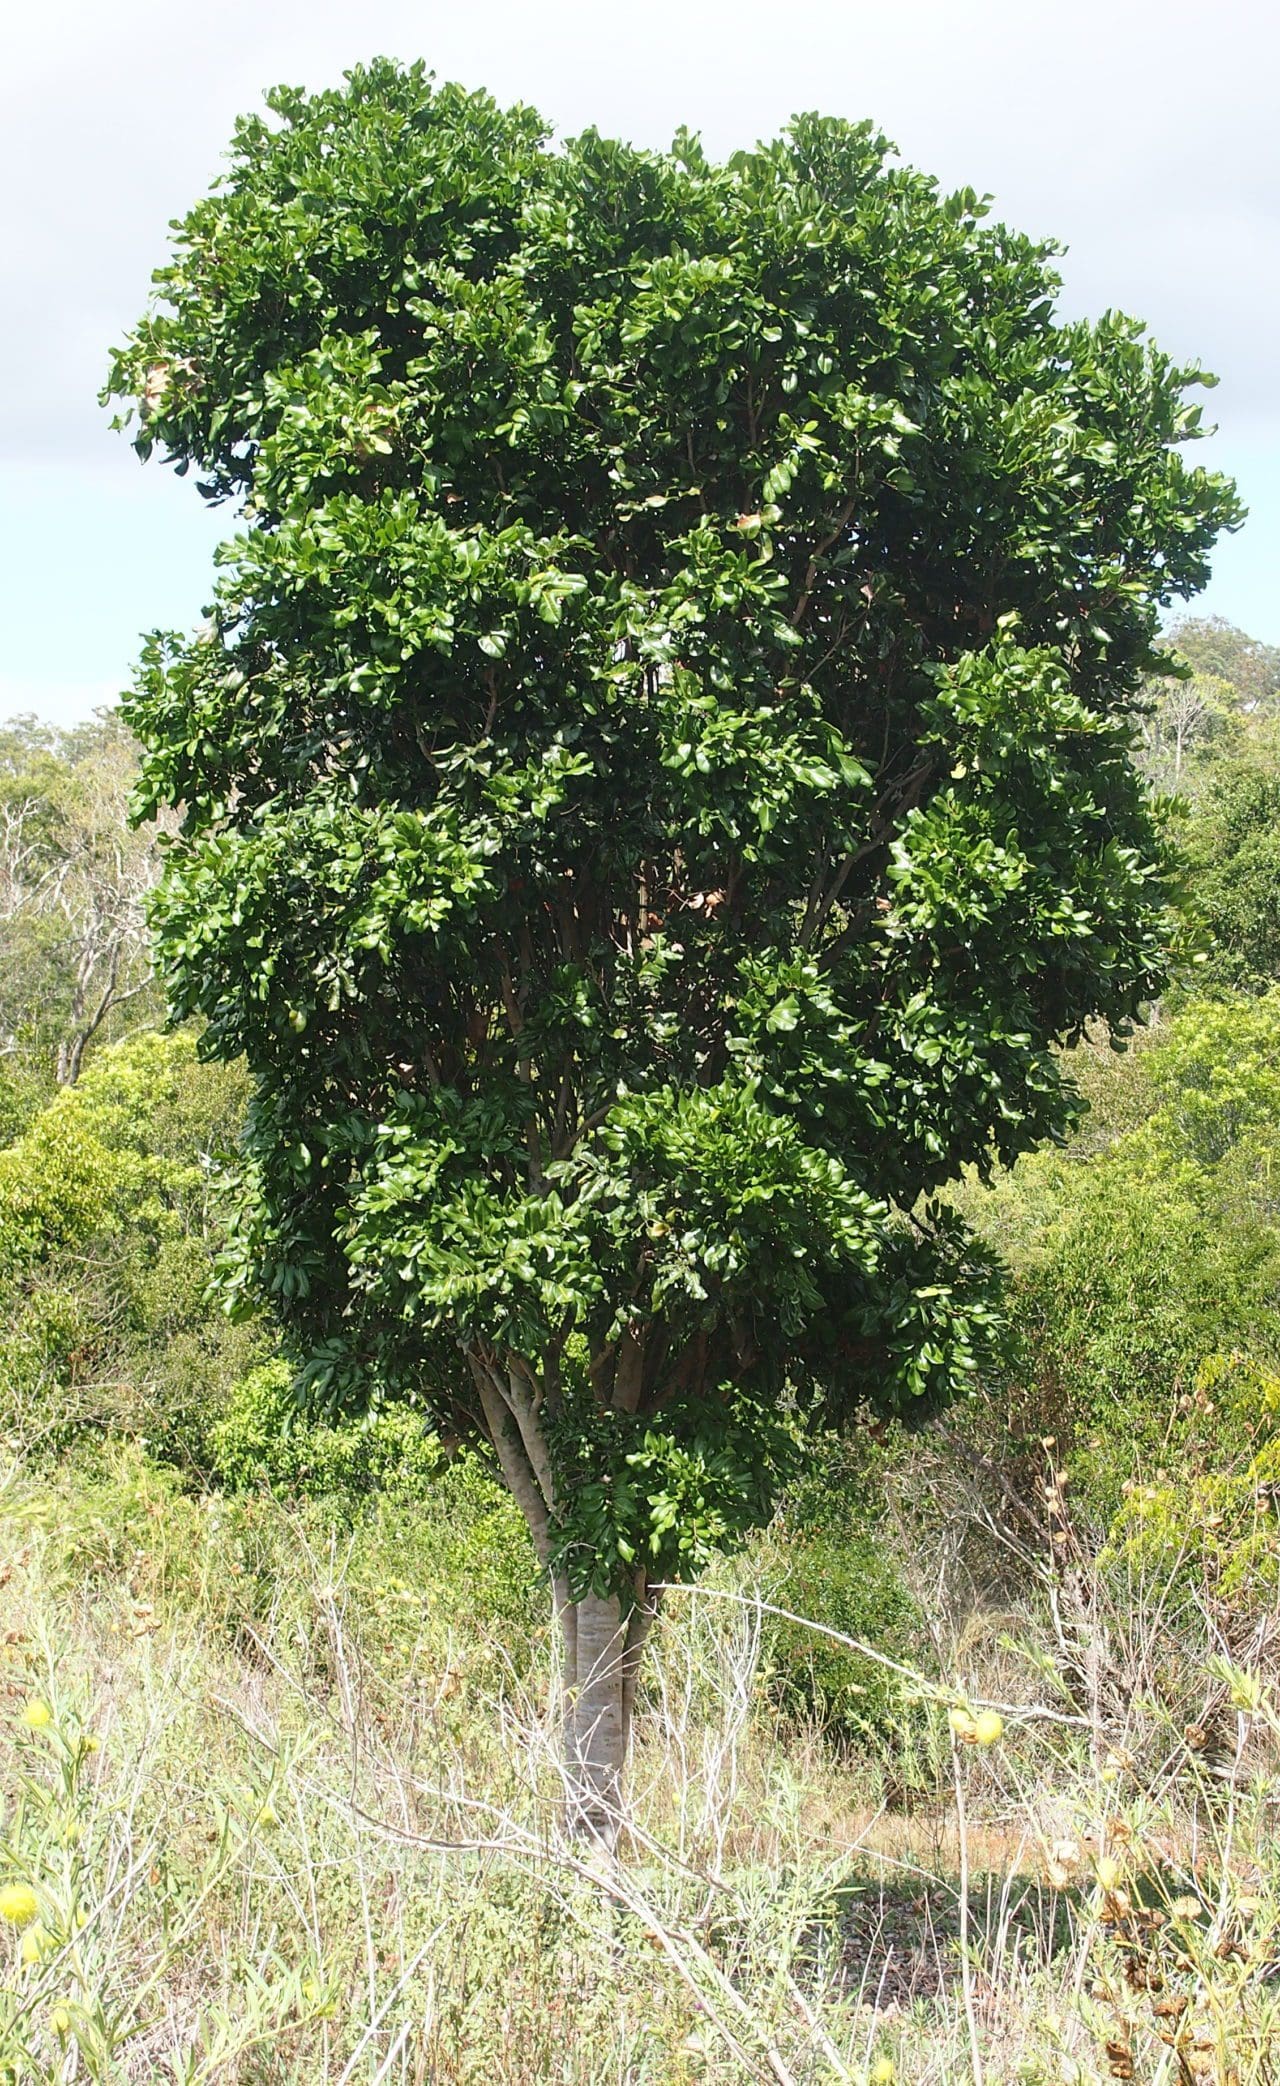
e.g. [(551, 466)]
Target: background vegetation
[(277, 1761)]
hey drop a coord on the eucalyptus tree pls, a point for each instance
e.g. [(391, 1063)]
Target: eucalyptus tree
[(73, 885), (1211, 646), (1187, 719), (655, 782)]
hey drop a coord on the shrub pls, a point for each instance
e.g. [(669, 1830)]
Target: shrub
[(107, 1226), (827, 1559), (458, 1565), (1216, 1522), (1134, 1264), (1135, 1285), (428, 1530), (263, 1439)]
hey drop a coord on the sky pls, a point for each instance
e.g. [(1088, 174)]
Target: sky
[(1142, 133)]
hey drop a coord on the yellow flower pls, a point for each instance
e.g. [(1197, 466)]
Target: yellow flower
[(37, 1942), (989, 1728), (37, 1715), (268, 1816), (882, 2072), (961, 1723), (60, 2020), (1108, 1872), (18, 1904)]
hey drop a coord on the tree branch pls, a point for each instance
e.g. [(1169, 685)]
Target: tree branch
[(842, 521), (509, 1448)]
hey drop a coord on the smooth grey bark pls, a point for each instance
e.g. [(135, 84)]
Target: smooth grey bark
[(596, 1731), (603, 1644)]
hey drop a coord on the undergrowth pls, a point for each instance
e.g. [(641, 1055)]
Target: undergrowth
[(282, 1804)]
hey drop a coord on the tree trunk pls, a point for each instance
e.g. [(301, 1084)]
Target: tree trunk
[(595, 1727), (85, 1023), (602, 1649), (602, 1639)]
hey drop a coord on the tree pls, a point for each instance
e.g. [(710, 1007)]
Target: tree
[(73, 883), (1211, 646), (1185, 717), (1210, 731), (1233, 844), (656, 782)]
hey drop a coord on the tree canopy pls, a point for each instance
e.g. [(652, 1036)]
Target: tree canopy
[(656, 777)]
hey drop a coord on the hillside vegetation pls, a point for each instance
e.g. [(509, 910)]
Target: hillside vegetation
[(965, 1769)]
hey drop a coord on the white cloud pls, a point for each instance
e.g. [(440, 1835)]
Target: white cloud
[(1143, 132)]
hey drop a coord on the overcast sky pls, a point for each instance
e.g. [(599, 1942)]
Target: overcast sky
[(1142, 132)]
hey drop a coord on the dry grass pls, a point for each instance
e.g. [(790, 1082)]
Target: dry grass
[(270, 1841)]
